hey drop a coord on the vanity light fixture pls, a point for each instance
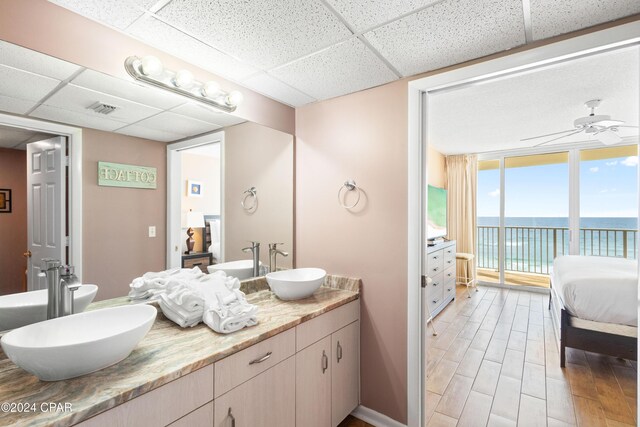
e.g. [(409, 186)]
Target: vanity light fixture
[(150, 70)]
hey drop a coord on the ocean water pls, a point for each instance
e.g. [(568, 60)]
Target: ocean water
[(532, 243)]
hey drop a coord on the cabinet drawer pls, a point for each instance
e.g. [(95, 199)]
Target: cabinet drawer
[(315, 329), (435, 263), (450, 273), (434, 300), (449, 262), (161, 406), (434, 289), (198, 261), (449, 288), (449, 255), (264, 401), (246, 364)]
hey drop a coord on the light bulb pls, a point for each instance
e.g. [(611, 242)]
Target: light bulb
[(211, 89), (234, 98), (151, 66), (183, 79)]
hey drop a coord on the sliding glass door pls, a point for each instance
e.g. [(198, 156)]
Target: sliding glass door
[(533, 208)]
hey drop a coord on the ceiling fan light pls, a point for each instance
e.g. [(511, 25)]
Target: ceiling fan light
[(151, 66), (609, 137)]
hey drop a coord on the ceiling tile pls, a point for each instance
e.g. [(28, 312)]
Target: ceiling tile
[(274, 88), (76, 98), (168, 39), (15, 105), (208, 114), (75, 118), (262, 33), (365, 14), (149, 133), (343, 68), (116, 13), (35, 62), (128, 89), (448, 33), (551, 17), (24, 85), (177, 124)]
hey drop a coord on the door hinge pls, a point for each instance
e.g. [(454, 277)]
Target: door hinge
[(66, 160), (66, 241)]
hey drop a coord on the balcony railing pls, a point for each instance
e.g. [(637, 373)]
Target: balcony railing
[(532, 249)]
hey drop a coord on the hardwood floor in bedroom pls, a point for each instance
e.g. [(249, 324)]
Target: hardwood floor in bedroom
[(495, 362)]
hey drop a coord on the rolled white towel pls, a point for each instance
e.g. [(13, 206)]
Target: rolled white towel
[(184, 305), (226, 311)]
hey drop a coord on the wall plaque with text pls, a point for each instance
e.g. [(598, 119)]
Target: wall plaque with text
[(129, 176)]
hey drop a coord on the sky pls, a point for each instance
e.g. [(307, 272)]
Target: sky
[(608, 188)]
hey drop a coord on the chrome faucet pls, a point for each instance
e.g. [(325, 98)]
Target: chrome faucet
[(273, 253), (255, 250), (61, 284)]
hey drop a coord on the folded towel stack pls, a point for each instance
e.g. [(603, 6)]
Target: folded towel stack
[(188, 297), (151, 285)]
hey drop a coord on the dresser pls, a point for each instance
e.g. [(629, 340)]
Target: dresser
[(441, 268), (198, 259)]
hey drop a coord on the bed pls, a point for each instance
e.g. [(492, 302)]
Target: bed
[(593, 303)]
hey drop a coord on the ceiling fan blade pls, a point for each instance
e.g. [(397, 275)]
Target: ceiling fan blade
[(608, 137), (560, 137), (607, 123), (624, 126), (549, 134)]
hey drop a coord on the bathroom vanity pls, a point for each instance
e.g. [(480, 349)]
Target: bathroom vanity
[(298, 367)]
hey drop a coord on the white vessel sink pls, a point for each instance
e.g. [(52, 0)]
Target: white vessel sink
[(239, 269), (79, 344), (297, 283), (25, 308)]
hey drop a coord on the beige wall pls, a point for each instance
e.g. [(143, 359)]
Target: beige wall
[(206, 170), (51, 29), (362, 136), (257, 156), (116, 246), (13, 226)]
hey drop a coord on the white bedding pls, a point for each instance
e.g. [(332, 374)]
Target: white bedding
[(602, 289)]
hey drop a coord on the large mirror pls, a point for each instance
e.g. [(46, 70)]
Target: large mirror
[(233, 179)]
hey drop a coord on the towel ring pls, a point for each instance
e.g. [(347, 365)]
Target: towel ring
[(349, 185), (252, 194)]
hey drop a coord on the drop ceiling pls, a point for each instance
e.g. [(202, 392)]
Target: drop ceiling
[(17, 138), (495, 115), (37, 85), (300, 51)]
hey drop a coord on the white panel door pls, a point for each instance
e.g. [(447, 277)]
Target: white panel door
[(45, 206)]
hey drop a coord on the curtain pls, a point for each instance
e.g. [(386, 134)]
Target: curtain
[(461, 178)]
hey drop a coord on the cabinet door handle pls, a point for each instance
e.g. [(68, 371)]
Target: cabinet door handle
[(436, 257), (339, 352), (325, 362), (233, 419), (261, 359), (435, 301), (436, 268), (449, 290)]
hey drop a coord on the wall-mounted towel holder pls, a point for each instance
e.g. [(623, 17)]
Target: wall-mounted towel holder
[(250, 195), (349, 185)]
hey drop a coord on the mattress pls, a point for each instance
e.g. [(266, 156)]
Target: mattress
[(600, 289)]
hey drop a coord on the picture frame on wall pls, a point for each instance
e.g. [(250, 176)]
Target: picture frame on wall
[(194, 188), (5, 200)]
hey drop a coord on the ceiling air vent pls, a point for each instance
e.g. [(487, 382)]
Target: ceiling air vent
[(102, 108)]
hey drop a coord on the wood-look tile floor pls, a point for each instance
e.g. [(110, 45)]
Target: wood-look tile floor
[(495, 362)]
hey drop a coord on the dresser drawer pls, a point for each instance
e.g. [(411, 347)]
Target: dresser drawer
[(202, 261), (450, 273), (449, 254), (449, 288), (435, 263), (434, 289), (246, 364), (435, 300)]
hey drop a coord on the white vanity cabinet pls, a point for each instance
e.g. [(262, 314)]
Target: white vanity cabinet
[(328, 370), (305, 376)]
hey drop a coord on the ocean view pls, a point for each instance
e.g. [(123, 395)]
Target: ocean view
[(531, 243)]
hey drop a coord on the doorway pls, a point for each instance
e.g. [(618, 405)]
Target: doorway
[(419, 104)]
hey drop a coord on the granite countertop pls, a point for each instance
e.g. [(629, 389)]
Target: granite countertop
[(165, 354)]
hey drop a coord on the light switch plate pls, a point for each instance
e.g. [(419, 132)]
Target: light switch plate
[(152, 231)]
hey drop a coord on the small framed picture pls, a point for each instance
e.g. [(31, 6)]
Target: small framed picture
[(194, 188), (5, 200)]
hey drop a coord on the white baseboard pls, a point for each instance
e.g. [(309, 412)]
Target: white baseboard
[(375, 418)]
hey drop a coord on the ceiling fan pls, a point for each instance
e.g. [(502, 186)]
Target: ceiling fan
[(601, 126)]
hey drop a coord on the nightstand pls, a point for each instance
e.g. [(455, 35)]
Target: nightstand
[(198, 259)]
